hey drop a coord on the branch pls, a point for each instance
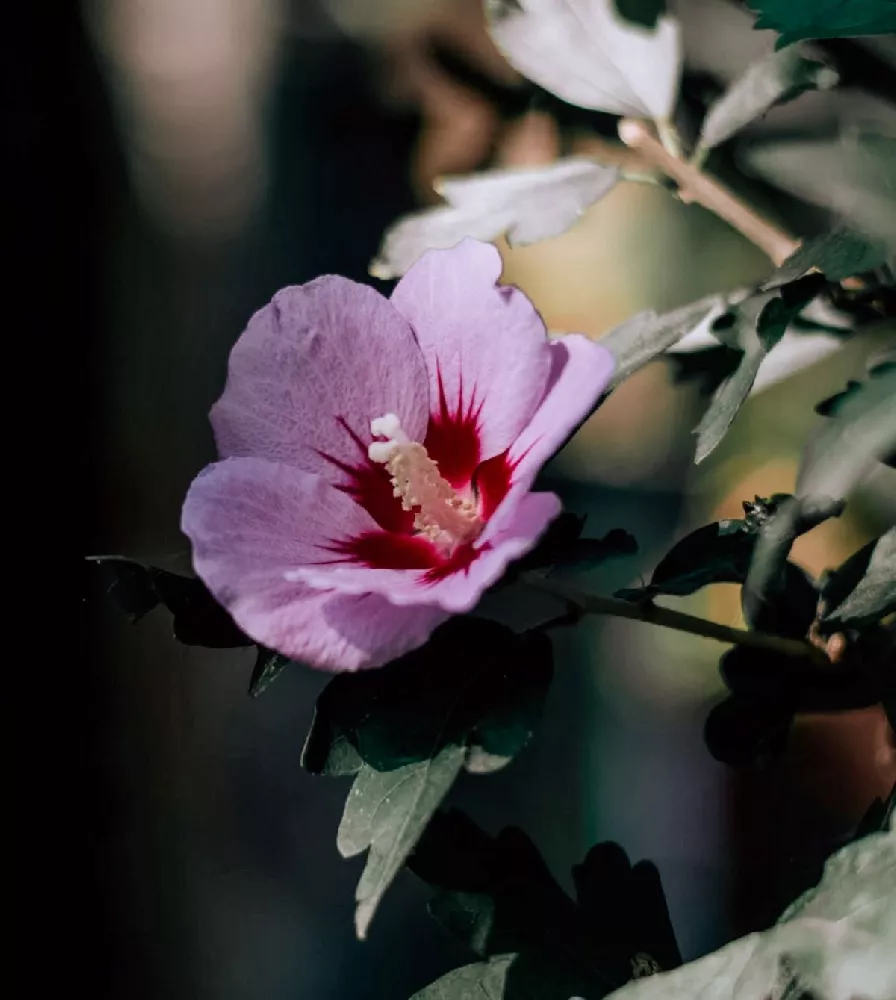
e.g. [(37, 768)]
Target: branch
[(653, 614), (695, 186)]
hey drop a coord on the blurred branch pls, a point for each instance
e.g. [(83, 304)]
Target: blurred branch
[(696, 186), (653, 614)]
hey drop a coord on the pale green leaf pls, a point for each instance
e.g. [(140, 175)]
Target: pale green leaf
[(777, 78), (586, 54), (525, 205), (386, 813)]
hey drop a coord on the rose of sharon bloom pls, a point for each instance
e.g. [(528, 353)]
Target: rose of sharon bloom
[(377, 456)]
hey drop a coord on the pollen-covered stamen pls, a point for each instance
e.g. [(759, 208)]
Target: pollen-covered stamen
[(441, 514)]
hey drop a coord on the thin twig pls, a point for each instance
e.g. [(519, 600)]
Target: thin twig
[(653, 614), (695, 186)]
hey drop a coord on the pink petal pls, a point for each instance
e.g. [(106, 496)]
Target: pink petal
[(334, 631), (580, 371), (513, 530), (310, 372), (485, 348), (251, 522)]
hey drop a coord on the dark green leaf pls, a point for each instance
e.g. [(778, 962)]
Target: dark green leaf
[(268, 666), (497, 895), (474, 683), (198, 618), (479, 981), (512, 709), (328, 751), (777, 78), (128, 583), (643, 12), (760, 322), (708, 367), (797, 19), (386, 813), (716, 553), (873, 595), (645, 336), (838, 255)]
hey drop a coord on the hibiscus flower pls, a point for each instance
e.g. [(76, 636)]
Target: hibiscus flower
[(378, 456)]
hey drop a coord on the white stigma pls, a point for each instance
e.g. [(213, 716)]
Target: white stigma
[(441, 514)]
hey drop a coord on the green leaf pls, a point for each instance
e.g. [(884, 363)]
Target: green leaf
[(759, 324), (853, 176), (386, 813), (198, 618), (475, 683), (777, 78), (525, 205), (643, 337), (838, 255), (479, 981), (798, 19), (268, 666), (874, 594)]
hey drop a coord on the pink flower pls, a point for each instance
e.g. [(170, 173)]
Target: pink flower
[(378, 454)]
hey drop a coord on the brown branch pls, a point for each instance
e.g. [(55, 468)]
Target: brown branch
[(696, 186), (653, 614)]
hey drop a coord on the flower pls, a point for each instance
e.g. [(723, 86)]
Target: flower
[(377, 456)]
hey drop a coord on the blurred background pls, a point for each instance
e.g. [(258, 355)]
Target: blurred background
[(226, 148)]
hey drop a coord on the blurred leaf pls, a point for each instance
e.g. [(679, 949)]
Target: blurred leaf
[(759, 324), (198, 618), (526, 205), (562, 547), (745, 732), (386, 812), (874, 594), (838, 255), (585, 53), (776, 79), (854, 176), (646, 335), (482, 980), (268, 666), (788, 608), (797, 19), (860, 431), (475, 684), (497, 895), (879, 816), (787, 684), (793, 517)]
